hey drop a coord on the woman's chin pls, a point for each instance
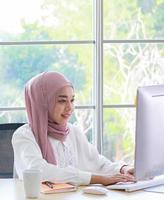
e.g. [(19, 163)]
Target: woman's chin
[(64, 122)]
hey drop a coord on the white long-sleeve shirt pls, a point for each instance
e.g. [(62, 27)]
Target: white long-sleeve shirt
[(77, 159)]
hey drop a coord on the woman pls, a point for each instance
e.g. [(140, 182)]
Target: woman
[(59, 149)]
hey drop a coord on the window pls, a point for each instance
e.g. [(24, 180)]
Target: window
[(45, 35), (106, 48), (133, 56)]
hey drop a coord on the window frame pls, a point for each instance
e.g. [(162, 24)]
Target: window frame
[(98, 43)]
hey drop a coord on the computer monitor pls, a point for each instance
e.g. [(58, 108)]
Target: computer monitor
[(149, 139)]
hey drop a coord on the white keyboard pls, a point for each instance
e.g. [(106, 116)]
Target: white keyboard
[(137, 185)]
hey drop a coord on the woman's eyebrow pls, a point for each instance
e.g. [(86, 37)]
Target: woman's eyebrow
[(65, 96)]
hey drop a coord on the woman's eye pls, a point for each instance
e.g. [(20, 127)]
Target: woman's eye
[(65, 101), (62, 101)]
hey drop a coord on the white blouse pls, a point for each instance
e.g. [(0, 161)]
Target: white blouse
[(77, 159)]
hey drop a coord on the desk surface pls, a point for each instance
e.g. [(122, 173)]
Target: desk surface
[(12, 189)]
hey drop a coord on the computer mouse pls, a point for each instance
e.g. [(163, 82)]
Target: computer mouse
[(95, 190)]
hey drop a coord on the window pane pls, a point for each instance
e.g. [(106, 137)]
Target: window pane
[(45, 20), (19, 63), (133, 19), (13, 116), (119, 132), (84, 117), (127, 66)]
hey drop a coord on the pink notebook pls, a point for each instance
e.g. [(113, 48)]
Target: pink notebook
[(50, 187)]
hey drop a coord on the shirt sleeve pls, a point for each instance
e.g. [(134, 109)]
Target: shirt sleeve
[(27, 155), (90, 159)]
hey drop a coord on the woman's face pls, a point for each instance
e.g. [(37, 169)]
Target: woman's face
[(64, 105)]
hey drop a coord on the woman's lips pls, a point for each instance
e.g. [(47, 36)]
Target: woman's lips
[(66, 115)]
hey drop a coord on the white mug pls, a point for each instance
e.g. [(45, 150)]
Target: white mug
[(32, 183)]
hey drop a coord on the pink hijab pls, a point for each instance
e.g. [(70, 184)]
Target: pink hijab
[(40, 95)]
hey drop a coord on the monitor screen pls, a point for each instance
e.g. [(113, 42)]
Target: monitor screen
[(149, 138)]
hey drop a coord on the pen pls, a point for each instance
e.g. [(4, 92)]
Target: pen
[(48, 183)]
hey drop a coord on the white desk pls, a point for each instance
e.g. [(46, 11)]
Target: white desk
[(12, 189)]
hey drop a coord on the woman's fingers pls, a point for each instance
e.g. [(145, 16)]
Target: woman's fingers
[(118, 178), (128, 170)]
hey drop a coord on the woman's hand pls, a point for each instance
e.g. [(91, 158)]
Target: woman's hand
[(128, 170), (108, 180)]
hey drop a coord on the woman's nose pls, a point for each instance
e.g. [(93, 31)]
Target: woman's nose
[(69, 106)]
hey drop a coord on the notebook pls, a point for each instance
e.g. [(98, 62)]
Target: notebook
[(129, 187), (50, 187)]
